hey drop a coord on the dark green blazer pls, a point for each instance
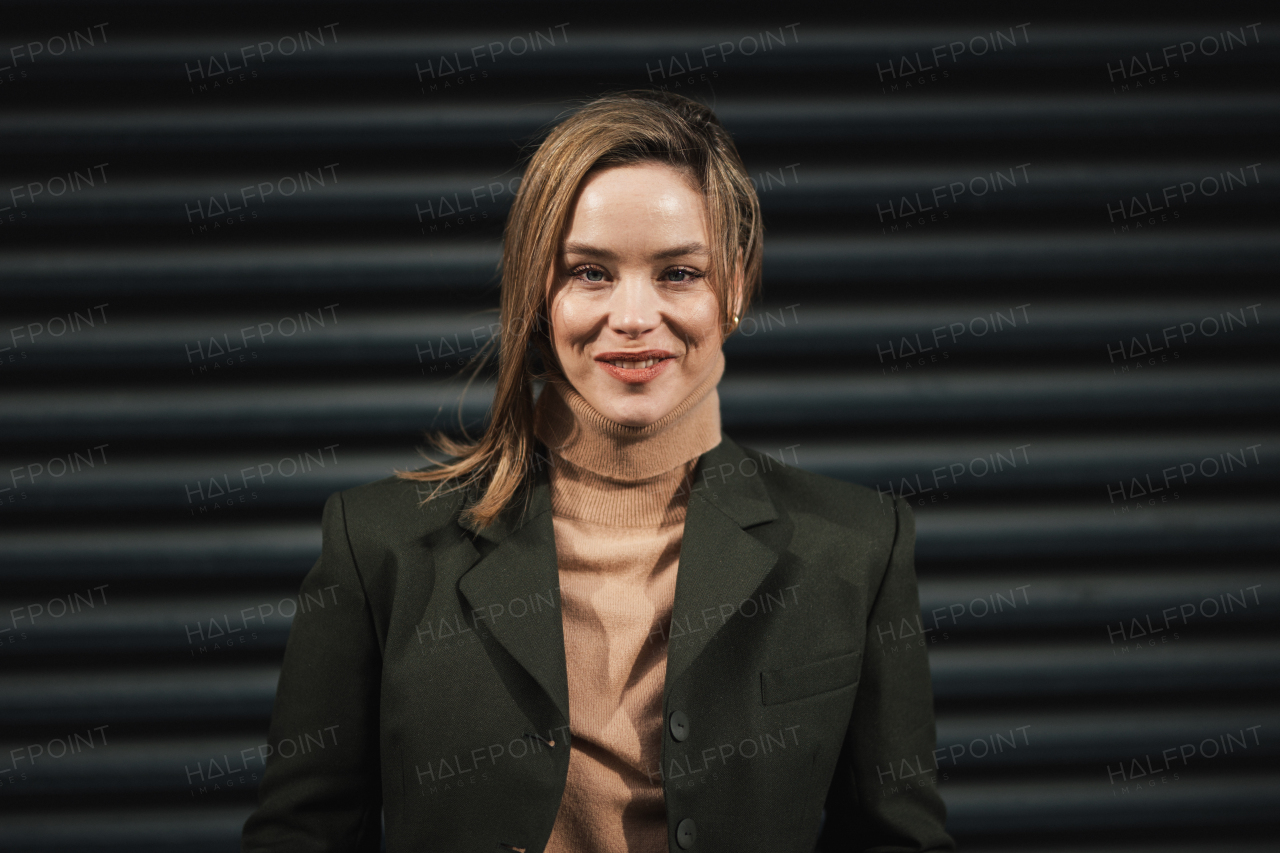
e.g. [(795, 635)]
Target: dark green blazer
[(424, 676)]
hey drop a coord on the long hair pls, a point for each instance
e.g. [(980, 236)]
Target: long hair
[(616, 130)]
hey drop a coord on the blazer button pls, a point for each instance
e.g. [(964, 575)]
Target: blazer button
[(686, 834), (679, 728)]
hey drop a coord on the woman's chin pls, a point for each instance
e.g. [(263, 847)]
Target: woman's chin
[(637, 410)]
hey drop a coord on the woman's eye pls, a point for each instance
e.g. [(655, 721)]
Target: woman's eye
[(592, 275), (680, 276)]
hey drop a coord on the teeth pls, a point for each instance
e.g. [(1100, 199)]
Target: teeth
[(636, 365)]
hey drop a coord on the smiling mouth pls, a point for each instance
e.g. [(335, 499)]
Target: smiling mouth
[(634, 365)]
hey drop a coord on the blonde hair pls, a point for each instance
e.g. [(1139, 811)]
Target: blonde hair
[(615, 130)]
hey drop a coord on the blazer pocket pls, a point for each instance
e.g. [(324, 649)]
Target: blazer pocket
[(810, 679)]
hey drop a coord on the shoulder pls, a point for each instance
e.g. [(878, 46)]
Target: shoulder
[(805, 495), (395, 507)]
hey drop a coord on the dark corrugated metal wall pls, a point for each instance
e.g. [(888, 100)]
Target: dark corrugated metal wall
[(1018, 269)]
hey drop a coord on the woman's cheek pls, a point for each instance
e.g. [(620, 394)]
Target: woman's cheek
[(571, 326), (571, 323), (702, 323)]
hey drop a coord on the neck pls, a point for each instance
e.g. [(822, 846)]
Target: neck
[(574, 430)]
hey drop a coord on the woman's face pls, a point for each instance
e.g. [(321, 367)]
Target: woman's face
[(634, 320)]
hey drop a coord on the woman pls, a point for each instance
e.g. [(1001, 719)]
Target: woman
[(608, 627)]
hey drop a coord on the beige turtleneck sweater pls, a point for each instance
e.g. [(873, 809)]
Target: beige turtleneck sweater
[(618, 496)]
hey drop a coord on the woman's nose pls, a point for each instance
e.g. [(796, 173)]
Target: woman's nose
[(634, 309)]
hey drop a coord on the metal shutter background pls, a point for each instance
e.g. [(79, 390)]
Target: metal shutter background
[(1035, 440)]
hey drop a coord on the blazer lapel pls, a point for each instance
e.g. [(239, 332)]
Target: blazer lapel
[(720, 566), (720, 563), (522, 564)]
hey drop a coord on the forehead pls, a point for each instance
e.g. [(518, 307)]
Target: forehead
[(637, 204)]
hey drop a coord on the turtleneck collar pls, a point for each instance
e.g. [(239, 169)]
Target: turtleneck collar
[(574, 430)]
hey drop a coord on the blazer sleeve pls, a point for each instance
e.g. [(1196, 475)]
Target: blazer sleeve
[(884, 795), (321, 787)]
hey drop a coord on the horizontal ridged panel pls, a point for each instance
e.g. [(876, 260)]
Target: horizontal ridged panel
[(1068, 581)]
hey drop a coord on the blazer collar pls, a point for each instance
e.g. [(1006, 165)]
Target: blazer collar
[(729, 480), (721, 565), (725, 477)]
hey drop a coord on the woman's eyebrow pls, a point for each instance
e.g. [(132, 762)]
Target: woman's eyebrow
[(664, 254), (680, 251), (589, 251)]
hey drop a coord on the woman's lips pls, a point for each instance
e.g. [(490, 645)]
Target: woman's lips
[(635, 375)]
